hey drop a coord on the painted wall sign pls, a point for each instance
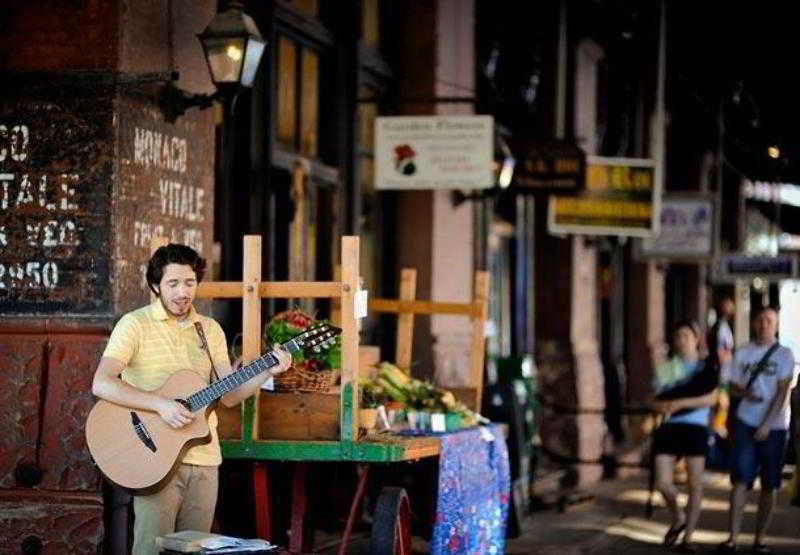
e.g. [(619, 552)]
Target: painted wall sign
[(686, 230), (165, 189), (55, 171), (434, 152), (621, 197)]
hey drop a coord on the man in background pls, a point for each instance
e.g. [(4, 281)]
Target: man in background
[(761, 376), (720, 354)]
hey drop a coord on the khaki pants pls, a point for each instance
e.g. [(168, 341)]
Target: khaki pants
[(187, 502)]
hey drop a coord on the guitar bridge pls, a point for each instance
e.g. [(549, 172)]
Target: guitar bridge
[(142, 432)]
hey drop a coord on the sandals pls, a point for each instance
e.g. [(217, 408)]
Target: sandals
[(686, 547), (726, 548), (761, 549), (672, 534)]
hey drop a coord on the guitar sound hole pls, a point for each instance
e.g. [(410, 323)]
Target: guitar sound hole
[(142, 432)]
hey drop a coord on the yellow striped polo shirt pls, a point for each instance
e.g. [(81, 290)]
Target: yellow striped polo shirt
[(154, 346)]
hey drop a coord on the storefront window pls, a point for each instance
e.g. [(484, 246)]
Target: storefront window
[(287, 94), (309, 109), (305, 181), (298, 99)]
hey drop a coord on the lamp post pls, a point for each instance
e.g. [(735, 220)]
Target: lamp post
[(233, 48)]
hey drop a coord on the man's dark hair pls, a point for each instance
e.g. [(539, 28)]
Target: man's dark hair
[(723, 298), (173, 254), (690, 324)]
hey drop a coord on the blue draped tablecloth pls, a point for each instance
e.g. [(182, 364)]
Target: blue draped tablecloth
[(473, 495)]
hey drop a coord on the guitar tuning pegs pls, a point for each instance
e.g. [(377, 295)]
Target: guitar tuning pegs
[(316, 349)]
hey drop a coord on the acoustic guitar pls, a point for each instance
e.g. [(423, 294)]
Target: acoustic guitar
[(137, 450)]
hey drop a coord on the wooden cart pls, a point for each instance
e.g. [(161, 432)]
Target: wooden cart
[(248, 433)]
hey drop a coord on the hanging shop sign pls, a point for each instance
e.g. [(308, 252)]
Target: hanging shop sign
[(621, 197), (731, 267), (551, 167), (686, 230), (434, 152), (785, 193)]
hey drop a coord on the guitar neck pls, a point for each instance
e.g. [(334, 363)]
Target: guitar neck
[(217, 389)]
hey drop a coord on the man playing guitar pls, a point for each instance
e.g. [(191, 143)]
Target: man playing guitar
[(146, 347)]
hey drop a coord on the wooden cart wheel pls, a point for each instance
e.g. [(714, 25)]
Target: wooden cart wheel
[(391, 524)]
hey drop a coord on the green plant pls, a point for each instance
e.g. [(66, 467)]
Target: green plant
[(287, 325), (372, 395), (422, 395)]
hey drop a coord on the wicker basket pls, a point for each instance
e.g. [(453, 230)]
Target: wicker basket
[(299, 377)]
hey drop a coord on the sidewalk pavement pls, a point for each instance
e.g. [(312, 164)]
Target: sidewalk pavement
[(614, 522)]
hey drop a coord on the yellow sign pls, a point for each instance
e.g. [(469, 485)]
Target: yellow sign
[(602, 177), (619, 199)]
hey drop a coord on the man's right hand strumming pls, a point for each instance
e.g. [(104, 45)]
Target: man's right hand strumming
[(174, 414)]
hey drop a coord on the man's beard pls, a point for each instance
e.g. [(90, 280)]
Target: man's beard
[(185, 303)]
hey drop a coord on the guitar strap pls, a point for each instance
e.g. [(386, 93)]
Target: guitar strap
[(199, 327)]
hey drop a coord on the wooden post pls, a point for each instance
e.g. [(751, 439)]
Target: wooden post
[(155, 243), (405, 320), (350, 266), (263, 500), (480, 297), (251, 312), (336, 302)]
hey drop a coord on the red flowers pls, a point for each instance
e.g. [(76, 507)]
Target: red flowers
[(402, 152), (295, 318)]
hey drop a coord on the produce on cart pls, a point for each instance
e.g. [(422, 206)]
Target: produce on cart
[(312, 371), (419, 400), (302, 431)]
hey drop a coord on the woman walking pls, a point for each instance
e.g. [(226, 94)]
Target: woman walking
[(685, 388)]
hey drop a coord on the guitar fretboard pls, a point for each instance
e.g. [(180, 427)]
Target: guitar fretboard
[(219, 388)]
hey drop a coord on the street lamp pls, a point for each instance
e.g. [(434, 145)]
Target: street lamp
[(774, 152), (233, 48)]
